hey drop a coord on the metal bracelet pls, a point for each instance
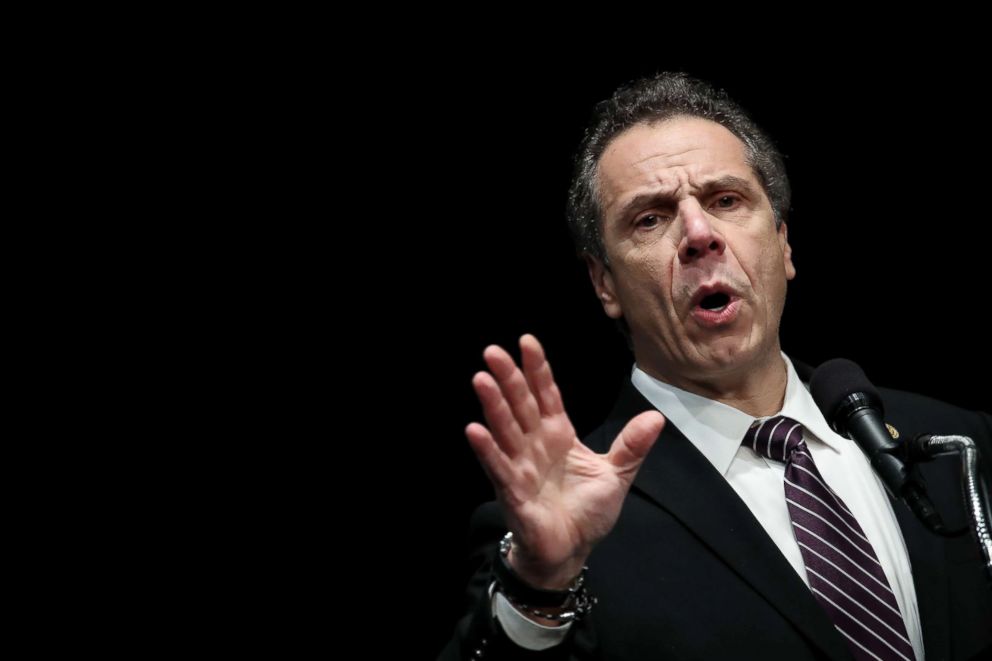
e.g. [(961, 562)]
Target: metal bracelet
[(576, 598), (582, 603)]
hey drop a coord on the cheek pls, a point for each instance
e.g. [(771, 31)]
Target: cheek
[(773, 281), (647, 298), (650, 273), (769, 263)]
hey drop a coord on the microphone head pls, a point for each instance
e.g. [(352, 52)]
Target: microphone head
[(833, 383)]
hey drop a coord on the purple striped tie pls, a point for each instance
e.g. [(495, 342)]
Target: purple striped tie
[(843, 570)]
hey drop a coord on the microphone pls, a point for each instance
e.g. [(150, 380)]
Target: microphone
[(854, 409)]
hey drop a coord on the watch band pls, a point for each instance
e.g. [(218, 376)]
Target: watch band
[(516, 589)]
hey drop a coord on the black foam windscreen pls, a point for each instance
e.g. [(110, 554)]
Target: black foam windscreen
[(835, 380)]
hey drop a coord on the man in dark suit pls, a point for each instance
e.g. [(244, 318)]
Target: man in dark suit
[(679, 206)]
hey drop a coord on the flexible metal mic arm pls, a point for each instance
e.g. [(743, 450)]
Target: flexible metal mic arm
[(975, 491)]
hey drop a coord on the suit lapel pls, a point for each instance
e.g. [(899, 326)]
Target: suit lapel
[(676, 476)]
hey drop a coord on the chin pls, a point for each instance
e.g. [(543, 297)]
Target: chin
[(727, 354)]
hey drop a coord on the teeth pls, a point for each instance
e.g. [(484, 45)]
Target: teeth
[(719, 309)]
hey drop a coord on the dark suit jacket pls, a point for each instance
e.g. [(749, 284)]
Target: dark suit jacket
[(689, 573)]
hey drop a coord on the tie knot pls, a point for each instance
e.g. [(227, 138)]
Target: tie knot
[(775, 437)]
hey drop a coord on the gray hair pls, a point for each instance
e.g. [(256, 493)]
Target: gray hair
[(653, 99)]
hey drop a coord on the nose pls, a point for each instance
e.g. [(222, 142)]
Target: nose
[(699, 238)]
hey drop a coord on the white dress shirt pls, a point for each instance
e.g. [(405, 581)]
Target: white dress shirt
[(716, 430)]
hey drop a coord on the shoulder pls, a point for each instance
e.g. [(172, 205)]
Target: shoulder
[(912, 413), (917, 409)]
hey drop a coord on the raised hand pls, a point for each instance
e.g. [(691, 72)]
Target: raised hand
[(560, 498)]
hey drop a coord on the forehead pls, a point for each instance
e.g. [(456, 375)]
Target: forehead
[(674, 157)]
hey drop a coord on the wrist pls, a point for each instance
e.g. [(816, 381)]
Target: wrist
[(558, 578), (548, 606)]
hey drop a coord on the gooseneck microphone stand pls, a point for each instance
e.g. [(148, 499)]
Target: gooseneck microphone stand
[(974, 490), (854, 408)]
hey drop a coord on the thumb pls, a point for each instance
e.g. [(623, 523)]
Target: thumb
[(634, 442)]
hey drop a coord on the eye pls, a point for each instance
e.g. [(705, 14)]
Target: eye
[(727, 201), (648, 220)]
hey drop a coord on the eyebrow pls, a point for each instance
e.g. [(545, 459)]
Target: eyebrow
[(728, 181)]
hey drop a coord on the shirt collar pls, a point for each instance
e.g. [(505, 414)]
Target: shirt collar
[(716, 429)]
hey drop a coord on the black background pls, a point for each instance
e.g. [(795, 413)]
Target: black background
[(888, 230)]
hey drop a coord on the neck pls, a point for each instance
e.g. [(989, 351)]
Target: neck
[(758, 391)]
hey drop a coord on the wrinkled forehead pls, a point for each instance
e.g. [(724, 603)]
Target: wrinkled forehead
[(681, 155)]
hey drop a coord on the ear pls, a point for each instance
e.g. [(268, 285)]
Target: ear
[(783, 238), (602, 282)]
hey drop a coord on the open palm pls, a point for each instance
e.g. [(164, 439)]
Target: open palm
[(560, 498)]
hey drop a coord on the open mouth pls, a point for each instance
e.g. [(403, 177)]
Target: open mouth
[(715, 302), (715, 306)]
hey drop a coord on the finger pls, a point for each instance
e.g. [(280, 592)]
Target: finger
[(493, 461), (537, 370), (514, 386), (635, 441), (500, 418)]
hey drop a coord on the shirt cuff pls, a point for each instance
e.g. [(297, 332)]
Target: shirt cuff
[(524, 632)]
